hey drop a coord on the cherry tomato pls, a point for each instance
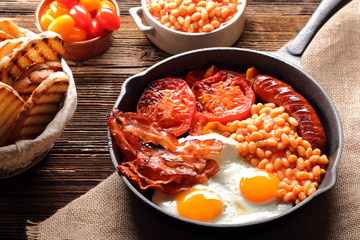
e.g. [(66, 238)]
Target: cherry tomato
[(108, 19), (95, 29), (225, 97), (170, 103), (57, 9), (81, 16), (93, 13), (69, 3), (106, 4), (45, 21), (62, 25), (77, 34), (49, 12), (90, 4)]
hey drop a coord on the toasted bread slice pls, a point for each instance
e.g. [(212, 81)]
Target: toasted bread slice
[(4, 36), (10, 107), (47, 46), (7, 46), (10, 28), (41, 107), (31, 79), (55, 65)]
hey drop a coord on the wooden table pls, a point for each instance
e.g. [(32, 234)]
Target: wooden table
[(80, 159)]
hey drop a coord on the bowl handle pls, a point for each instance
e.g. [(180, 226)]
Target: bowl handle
[(137, 15)]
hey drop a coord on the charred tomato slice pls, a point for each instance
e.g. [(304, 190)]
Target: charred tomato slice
[(170, 103), (225, 97)]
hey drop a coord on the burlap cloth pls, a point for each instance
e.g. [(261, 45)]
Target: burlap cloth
[(110, 211)]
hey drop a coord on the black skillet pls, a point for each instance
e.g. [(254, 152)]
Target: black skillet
[(283, 64)]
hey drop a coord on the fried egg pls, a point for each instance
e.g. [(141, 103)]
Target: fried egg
[(237, 193)]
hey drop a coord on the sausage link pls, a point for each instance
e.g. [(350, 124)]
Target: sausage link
[(270, 89)]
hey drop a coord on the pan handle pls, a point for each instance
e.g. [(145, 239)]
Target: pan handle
[(325, 10)]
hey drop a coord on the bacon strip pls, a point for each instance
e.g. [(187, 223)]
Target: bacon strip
[(173, 168)]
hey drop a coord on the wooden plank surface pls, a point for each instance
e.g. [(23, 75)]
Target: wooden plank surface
[(80, 159)]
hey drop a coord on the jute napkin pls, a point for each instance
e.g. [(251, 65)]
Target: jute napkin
[(110, 211)]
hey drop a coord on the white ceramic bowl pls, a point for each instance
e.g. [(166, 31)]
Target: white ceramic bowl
[(173, 41)]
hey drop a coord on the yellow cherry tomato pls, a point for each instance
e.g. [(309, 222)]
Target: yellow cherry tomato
[(49, 12), (90, 5), (106, 4), (62, 25), (77, 34), (57, 9), (45, 21)]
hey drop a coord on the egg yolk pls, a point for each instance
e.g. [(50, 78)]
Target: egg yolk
[(200, 205), (259, 188)]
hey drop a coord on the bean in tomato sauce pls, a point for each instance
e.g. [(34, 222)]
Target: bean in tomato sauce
[(193, 16)]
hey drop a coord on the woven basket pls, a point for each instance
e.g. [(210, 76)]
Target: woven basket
[(24, 154)]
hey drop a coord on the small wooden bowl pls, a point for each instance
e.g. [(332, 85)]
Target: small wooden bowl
[(84, 49)]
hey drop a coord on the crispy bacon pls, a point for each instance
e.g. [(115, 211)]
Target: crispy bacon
[(149, 132), (172, 167)]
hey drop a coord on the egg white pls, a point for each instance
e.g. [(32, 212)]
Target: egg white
[(226, 183)]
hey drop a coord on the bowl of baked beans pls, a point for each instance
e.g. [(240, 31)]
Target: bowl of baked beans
[(177, 26)]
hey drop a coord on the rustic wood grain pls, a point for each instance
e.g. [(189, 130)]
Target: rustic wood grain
[(79, 159)]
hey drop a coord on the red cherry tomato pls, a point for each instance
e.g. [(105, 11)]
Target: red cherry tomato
[(57, 9), (95, 29), (81, 16), (225, 97), (77, 34), (106, 4), (108, 19), (93, 13), (62, 25), (45, 21), (90, 4), (170, 103), (69, 3)]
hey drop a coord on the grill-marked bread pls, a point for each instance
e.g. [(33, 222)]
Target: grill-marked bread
[(31, 79), (7, 46), (9, 27), (41, 107), (4, 36), (10, 106), (47, 46)]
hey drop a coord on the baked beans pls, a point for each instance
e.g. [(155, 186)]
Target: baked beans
[(193, 16), (269, 141)]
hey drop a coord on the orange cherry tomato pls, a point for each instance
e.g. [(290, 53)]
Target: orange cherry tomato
[(45, 21), (62, 25), (57, 9), (90, 5), (49, 12), (77, 34), (69, 3), (106, 4)]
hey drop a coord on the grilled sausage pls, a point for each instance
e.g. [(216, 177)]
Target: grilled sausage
[(270, 89)]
